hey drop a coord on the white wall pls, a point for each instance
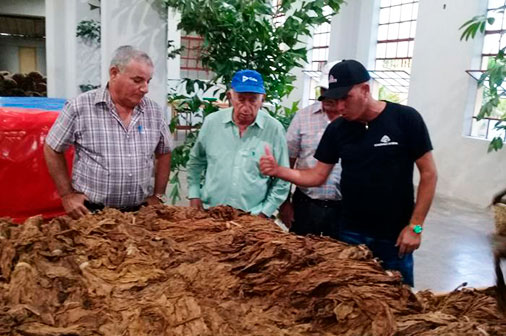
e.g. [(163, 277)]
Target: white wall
[(61, 50), (22, 7), (9, 53), (142, 24), (88, 57), (353, 31), (174, 34)]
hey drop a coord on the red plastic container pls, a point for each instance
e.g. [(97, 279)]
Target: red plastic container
[(26, 188)]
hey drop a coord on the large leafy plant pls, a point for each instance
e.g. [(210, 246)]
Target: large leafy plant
[(241, 34), (492, 78)]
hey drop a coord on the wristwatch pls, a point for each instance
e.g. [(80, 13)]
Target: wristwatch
[(416, 228), (161, 197)]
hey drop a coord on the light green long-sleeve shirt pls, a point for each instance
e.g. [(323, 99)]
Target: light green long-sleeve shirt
[(231, 164)]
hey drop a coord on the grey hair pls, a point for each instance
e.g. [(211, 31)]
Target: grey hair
[(124, 54)]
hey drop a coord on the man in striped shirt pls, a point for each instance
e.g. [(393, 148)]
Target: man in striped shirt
[(312, 210), (117, 133)]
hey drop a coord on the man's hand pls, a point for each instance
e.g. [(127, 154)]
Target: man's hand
[(153, 200), (73, 203), (408, 241), (268, 164), (196, 203), (286, 213)]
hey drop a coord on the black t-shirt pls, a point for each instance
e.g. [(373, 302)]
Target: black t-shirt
[(377, 168)]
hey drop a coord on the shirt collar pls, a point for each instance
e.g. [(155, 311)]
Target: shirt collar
[(316, 108), (104, 96), (259, 120)]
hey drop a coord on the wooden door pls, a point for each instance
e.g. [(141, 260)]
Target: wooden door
[(27, 59)]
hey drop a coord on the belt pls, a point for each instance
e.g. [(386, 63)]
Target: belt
[(95, 207), (322, 203)]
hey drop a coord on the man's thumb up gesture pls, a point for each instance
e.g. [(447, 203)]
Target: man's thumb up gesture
[(268, 164)]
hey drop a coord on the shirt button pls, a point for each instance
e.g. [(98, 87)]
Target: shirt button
[(128, 192), (130, 175)]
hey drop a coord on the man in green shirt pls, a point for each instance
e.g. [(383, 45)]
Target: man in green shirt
[(228, 148)]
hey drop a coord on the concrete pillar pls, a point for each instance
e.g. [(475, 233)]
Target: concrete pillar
[(88, 55), (142, 24), (61, 22), (353, 32), (174, 64)]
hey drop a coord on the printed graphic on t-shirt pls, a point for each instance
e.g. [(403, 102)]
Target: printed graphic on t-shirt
[(385, 141)]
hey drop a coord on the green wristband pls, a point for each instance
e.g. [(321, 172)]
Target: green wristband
[(417, 229)]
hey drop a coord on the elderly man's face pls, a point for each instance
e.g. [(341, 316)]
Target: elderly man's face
[(131, 84), (246, 106)]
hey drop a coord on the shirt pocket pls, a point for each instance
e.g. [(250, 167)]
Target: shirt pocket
[(150, 137), (250, 161), (307, 142)]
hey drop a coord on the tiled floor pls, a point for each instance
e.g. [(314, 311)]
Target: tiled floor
[(455, 246)]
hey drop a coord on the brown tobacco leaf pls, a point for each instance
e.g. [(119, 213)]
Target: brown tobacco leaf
[(168, 270)]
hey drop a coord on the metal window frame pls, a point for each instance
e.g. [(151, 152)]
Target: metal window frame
[(476, 74), (388, 77), (185, 57)]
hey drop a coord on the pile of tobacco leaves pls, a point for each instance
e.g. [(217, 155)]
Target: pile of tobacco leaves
[(177, 271)]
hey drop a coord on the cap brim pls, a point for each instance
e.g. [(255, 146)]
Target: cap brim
[(336, 93), (248, 89)]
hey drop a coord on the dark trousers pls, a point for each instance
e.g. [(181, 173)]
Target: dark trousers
[(94, 207), (315, 217), (384, 250)]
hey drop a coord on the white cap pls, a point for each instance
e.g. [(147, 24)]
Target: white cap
[(324, 78)]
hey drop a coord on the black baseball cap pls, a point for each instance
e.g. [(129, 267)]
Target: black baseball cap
[(342, 77)]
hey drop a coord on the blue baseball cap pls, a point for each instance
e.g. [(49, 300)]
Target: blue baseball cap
[(248, 81)]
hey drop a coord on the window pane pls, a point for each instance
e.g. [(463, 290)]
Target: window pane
[(492, 132), (415, 11), (402, 49), (393, 31), (317, 40), (395, 2), (495, 3), (381, 50), (479, 128), (502, 42), (406, 12), (498, 23), (413, 29), (391, 49), (411, 47), (384, 15), (404, 30), (501, 18), (385, 3), (395, 14), (491, 43), (382, 32), (484, 62)]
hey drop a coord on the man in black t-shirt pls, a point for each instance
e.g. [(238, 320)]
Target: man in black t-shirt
[(378, 144)]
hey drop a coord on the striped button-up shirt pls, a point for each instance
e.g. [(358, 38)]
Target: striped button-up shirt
[(113, 165), (303, 137)]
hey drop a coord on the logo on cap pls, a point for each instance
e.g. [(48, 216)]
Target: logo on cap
[(332, 79), (246, 78)]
